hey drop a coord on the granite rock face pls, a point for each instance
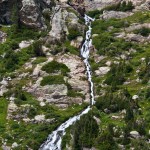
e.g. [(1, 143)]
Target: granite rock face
[(61, 21), (27, 12), (58, 24), (30, 14)]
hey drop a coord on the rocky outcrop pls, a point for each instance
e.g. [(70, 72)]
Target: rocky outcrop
[(77, 74), (143, 6), (136, 38), (128, 35), (115, 14), (102, 71), (51, 93), (99, 4), (133, 37), (61, 21), (28, 12), (137, 27), (59, 28), (77, 42)]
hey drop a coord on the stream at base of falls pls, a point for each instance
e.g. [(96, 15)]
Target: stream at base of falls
[(54, 140)]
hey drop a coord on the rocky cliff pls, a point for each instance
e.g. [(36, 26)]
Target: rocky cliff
[(27, 12)]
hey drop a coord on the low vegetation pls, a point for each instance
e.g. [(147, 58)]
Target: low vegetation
[(73, 33), (143, 31), (49, 80), (55, 67)]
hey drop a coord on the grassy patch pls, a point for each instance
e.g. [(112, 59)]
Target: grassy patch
[(71, 49), (39, 60), (143, 31), (73, 33), (3, 113), (49, 80), (54, 67)]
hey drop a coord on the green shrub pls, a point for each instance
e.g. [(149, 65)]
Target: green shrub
[(71, 49), (3, 113), (129, 114), (32, 112), (56, 50), (37, 49), (124, 6), (73, 33), (114, 102), (143, 31), (106, 141), (94, 13), (72, 93), (48, 80), (39, 60), (20, 96), (13, 60), (54, 67), (85, 132), (144, 73), (118, 73), (147, 94), (114, 7)]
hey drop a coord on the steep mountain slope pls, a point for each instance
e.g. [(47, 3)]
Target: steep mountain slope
[(43, 80)]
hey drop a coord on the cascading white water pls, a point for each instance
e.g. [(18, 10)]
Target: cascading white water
[(85, 54), (54, 140)]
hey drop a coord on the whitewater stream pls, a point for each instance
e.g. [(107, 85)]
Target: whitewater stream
[(54, 140)]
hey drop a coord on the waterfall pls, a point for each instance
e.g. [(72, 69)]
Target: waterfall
[(54, 140)]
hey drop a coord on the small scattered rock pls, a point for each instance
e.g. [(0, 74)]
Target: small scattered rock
[(14, 145), (135, 134), (77, 42), (39, 118), (108, 63), (102, 71), (42, 104), (135, 97), (25, 44)]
